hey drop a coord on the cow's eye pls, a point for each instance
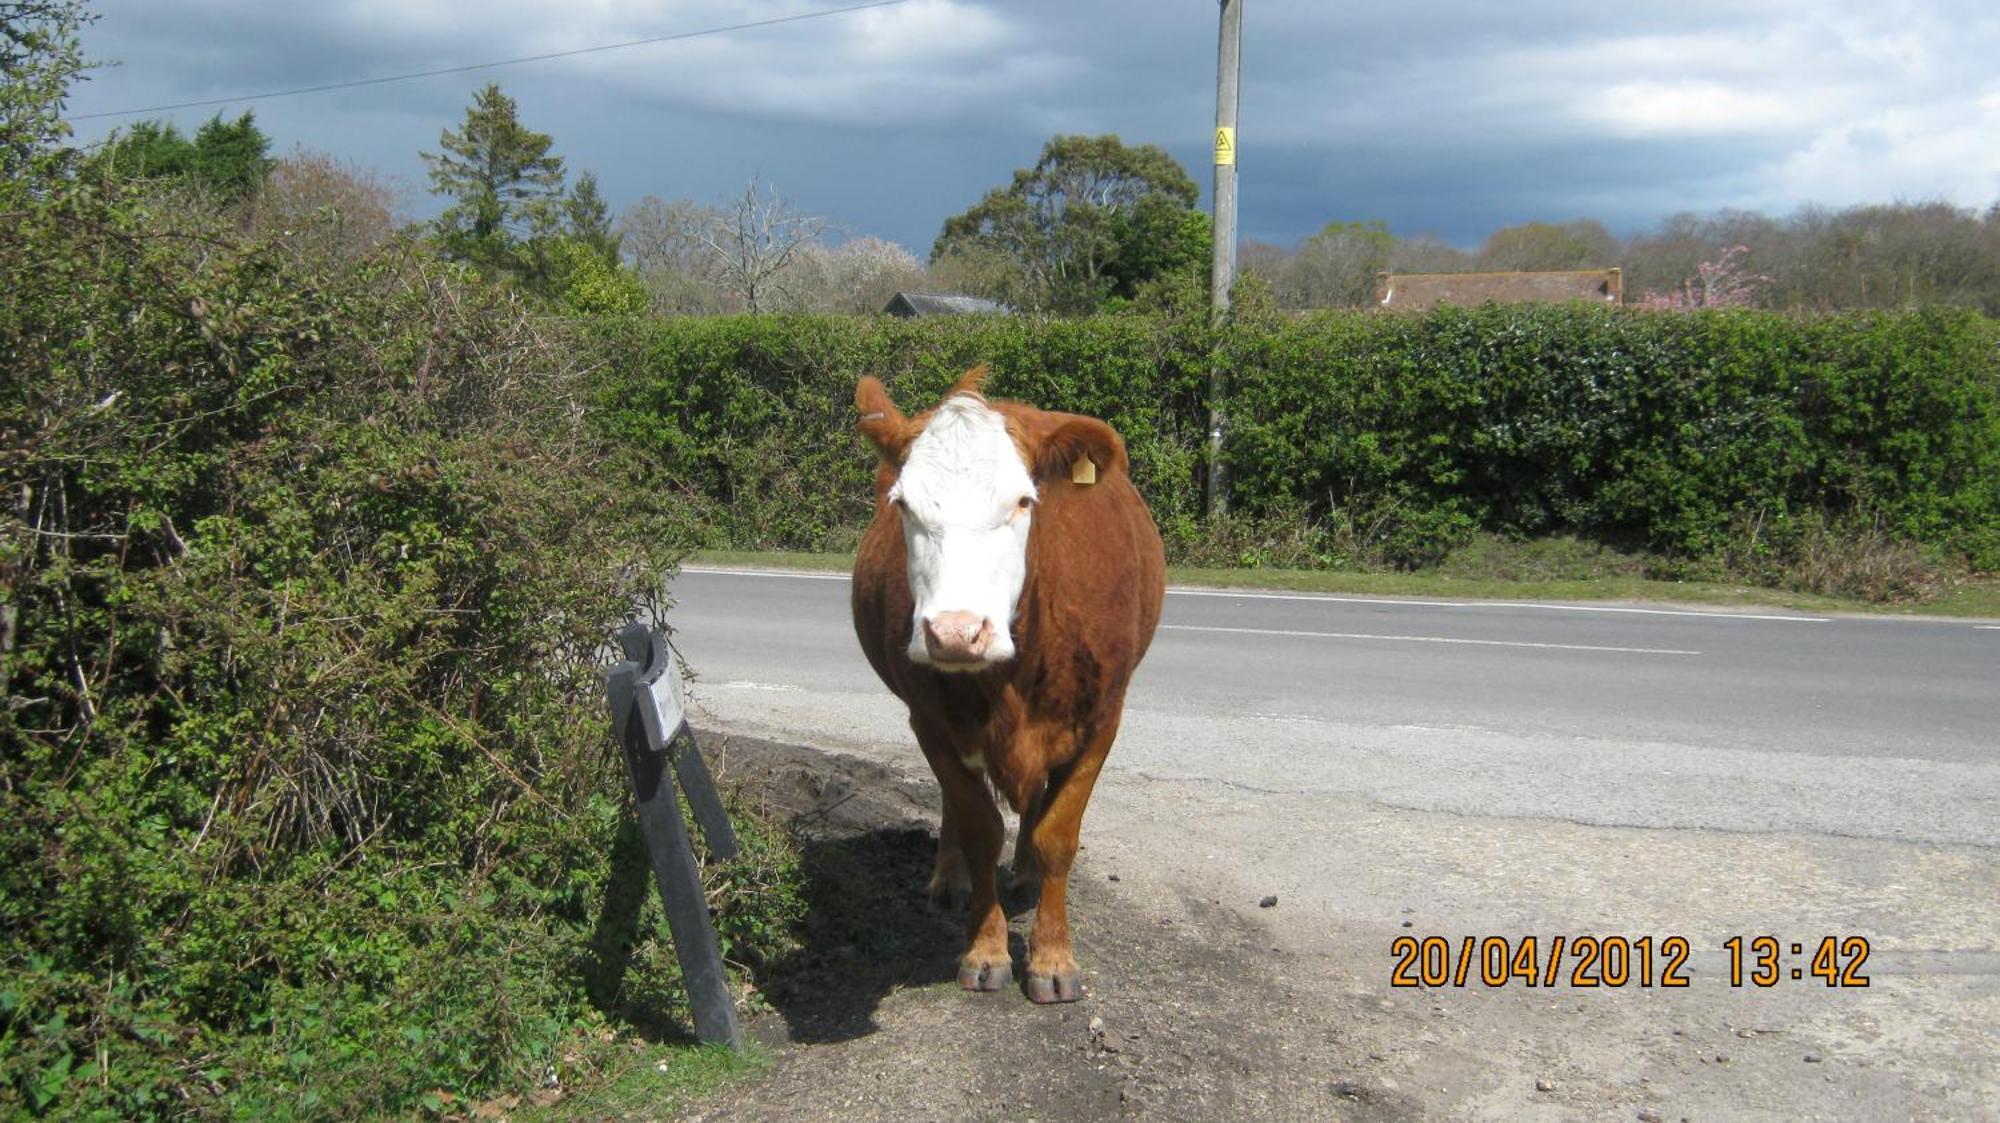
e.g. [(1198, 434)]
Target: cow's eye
[(1026, 502)]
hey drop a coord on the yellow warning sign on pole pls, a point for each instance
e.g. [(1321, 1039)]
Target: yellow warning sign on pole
[(1225, 145)]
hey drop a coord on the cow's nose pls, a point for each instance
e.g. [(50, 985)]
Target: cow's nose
[(957, 637)]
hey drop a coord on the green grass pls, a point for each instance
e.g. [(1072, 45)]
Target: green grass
[(648, 1082), (1977, 598), (773, 559)]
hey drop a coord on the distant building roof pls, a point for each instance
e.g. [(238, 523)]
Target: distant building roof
[(940, 304), (1418, 292)]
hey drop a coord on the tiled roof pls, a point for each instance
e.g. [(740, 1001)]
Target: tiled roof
[(1419, 292), (939, 304)]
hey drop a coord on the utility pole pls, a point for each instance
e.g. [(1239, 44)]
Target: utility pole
[(1222, 272)]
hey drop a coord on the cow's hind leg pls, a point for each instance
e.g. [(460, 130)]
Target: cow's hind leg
[(976, 822), (1053, 975)]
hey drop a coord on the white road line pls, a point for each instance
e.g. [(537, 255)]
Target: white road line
[(1425, 639), (800, 574), (1655, 612), (1987, 627), (1496, 604), (1334, 598)]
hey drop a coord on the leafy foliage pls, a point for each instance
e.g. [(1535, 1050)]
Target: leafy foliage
[(1091, 220), (39, 57), (1721, 441), (753, 416), (229, 159), (306, 564)]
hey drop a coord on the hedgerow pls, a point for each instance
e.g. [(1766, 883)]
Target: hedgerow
[(1711, 440), (306, 804)]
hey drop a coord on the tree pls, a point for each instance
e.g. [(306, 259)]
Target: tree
[(754, 239), (1543, 246), (40, 55), (506, 182), (1339, 267), (148, 150), (231, 158), (227, 159), (1725, 282), (859, 275), (681, 274), (1162, 242), (578, 280), (587, 219), (1092, 219), (324, 208), (1427, 253)]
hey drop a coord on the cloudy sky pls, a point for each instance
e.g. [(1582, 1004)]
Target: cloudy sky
[(1445, 118)]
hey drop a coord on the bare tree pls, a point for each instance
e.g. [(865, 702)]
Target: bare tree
[(1337, 267), (664, 240), (1532, 246), (754, 239), (1428, 253)]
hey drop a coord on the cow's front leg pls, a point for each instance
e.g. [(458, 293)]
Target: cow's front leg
[(950, 886), (976, 822), (1053, 975), (1025, 872)]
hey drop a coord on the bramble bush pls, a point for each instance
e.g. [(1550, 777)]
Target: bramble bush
[(307, 807), (1724, 441)]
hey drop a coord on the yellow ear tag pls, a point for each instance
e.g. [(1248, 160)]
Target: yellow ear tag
[(1084, 471)]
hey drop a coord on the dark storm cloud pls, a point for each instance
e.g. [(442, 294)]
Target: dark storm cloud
[(1449, 118)]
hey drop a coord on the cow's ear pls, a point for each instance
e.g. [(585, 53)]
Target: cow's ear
[(1079, 449), (970, 381), (881, 422)]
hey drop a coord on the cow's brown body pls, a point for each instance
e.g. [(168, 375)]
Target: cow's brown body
[(1038, 726)]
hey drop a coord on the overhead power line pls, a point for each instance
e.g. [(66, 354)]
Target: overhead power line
[(489, 65)]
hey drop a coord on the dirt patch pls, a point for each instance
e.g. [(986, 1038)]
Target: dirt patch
[(1188, 1011)]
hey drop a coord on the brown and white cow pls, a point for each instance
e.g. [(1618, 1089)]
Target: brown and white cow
[(1006, 590)]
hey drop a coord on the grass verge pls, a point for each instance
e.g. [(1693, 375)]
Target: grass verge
[(652, 1082), (1975, 598)]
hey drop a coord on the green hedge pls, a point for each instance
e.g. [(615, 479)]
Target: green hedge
[(1686, 435), (306, 803), (755, 415)]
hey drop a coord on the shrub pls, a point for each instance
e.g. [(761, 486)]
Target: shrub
[(307, 560), (1374, 440)]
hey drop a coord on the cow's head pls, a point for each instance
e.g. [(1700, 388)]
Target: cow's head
[(964, 481)]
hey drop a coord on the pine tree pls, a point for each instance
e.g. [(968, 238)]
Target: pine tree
[(506, 183), (149, 150), (231, 157), (587, 219), (227, 158)]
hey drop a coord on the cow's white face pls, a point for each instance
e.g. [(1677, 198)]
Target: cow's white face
[(966, 500)]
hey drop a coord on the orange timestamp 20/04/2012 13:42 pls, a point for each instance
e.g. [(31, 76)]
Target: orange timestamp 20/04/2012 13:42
[(1619, 961)]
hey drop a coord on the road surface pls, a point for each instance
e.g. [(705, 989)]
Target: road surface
[(1394, 768)]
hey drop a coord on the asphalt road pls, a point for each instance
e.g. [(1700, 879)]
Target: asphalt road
[(1392, 769), (1600, 714)]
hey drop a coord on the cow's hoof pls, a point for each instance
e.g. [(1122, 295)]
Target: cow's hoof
[(1064, 986), (985, 976)]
